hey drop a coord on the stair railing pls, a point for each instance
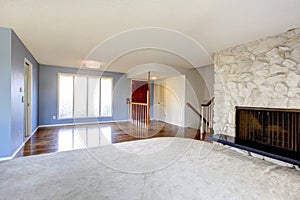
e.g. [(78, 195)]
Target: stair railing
[(139, 113), (207, 109), (206, 118)]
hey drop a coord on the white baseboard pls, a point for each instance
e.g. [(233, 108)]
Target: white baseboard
[(24, 142), (6, 158), (82, 123), (175, 124)]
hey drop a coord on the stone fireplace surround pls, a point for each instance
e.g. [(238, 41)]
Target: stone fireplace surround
[(262, 73)]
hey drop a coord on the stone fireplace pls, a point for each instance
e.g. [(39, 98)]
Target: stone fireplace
[(264, 73)]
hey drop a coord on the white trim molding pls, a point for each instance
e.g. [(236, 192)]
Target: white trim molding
[(16, 151), (83, 123)]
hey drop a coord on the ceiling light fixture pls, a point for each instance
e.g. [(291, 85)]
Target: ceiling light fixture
[(92, 64), (154, 77)]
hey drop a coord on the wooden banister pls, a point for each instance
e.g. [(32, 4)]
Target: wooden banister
[(205, 125), (137, 103), (148, 100), (140, 112), (196, 111), (208, 102)]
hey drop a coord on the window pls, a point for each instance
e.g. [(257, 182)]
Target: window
[(106, 96), (84, 96), (65, 96), (80, 93), (94, 96)]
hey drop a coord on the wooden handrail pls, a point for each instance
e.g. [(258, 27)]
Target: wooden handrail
[(137, 103), (148, 99), (196, 111), (208, 102)]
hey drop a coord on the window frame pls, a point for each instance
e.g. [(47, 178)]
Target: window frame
[(87, 79)]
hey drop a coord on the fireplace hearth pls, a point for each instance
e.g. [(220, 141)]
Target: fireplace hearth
[(276, 131)]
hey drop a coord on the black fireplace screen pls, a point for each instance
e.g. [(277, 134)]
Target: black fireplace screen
[(272, 130)]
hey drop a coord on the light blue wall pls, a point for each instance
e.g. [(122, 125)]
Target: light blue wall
[(48, 95), (12, 54), (19, 53), (5, 81)]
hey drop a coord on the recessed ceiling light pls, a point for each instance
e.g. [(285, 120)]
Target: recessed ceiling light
[(92, 64), (154, 77)]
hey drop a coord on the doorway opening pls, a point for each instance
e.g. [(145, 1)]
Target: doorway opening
[(139, 95), (27, 99)]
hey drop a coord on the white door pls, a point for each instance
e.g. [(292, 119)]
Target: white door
[(27, 98), (159, 112)]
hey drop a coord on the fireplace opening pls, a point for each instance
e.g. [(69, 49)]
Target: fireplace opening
[(272, 130)]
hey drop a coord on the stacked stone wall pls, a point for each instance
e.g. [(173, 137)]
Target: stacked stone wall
[(262, 73)]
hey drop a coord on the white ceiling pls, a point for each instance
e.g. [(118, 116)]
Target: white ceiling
[(64, 32)]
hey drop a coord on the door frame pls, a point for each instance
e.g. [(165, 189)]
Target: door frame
[(27, 98)]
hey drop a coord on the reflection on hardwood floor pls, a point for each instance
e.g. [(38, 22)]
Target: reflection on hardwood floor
[(55, 139)]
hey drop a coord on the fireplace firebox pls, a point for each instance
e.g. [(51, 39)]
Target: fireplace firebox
[(272, 130)]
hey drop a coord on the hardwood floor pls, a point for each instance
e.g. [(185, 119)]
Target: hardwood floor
[(56, 139)]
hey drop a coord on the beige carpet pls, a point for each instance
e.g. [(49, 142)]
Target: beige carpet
[(159, 168)]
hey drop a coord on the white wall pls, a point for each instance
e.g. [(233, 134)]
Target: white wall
[(196, 93), (174, 96), (208, 75)]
